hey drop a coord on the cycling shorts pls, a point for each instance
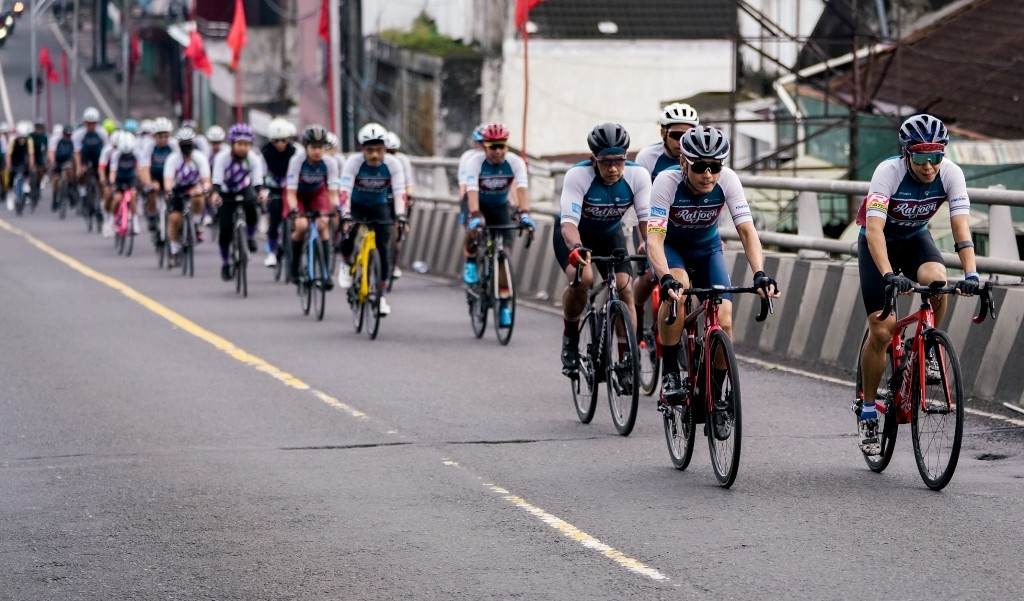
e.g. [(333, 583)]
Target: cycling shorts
[(314, 201), (706, 266), (601, 245), (905, 256)]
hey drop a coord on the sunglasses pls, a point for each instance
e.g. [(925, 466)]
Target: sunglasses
[(704, 166), (920, 158), (498, 145), (676, 135), (611, 161)]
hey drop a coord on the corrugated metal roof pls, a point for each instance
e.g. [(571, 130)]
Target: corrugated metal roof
[(635, 19)]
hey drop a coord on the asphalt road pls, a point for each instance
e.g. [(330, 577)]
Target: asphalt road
[(162, 438)]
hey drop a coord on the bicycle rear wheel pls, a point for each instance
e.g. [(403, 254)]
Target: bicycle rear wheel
[(937, 417), (241, 261), (358, 313), (372, 306), (188, 241), (62, 199), (477, 299), (622, 368), (887, 412), (647, 348), (724, 425), (679, 433), (584, 384), (284, 252), (318, 289), (129, 242), (504, 331)]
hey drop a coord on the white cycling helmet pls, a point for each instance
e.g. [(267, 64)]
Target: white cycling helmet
[(162, 125), (128, 142), (279, 129), (216, 133), (372, 132), (115, 139), (146, 126), (679, 112), (91, 115), (23, 128), (392, 141), (332, 140), (4, 127)]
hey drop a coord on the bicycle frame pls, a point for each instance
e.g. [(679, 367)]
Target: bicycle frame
[(366, 241), (312, 237), (124, 214)]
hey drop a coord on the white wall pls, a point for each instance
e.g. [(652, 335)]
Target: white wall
[(795, 17), (452, 16), (574, 85)]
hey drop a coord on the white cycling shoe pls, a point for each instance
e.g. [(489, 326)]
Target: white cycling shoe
[(382, 307)]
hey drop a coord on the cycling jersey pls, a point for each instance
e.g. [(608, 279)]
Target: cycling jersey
[(20, 153), (596, 207), (363, 185), (124, 166), (307, 178), (494, 182), (63, 149), (691, 221), (654, 159), (155, 157), (906, 204), (464, 163), (236, 175), (89, 144), (403, 159), (277, 164), (106, 160), (186, 173), (39, 146)]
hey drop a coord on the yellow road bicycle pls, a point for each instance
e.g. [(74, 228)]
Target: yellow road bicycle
[(365, 292)]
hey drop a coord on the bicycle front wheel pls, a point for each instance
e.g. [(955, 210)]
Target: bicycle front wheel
[(621, 368), (584, 384), (505, 307), (372, 306), (188, 242), (317, 286), (887, 412), (937, 417), (241, 261), (129, 242), (724, 424), (62, 199)]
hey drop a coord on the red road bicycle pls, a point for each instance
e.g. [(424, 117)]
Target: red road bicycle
[(930, 400), (648, 342)]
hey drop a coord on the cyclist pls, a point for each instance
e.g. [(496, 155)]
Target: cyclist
[(906, 192), (596, 193), (476, 149), (145, 132), (89, 141), (215, 135), (312, 185), (276, 155), (201, 143), (61, 155), (683, 234), (5, 128), (131, 126), (19, 158), (493, 178), (365, 181), (186, 176), (106, 192), (123, 174), (392, 143), (153, 155), (109, 125), (238, 170), (40, 145)]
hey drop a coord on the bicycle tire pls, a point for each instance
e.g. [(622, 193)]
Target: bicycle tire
[(372, 305), (241, 261), (504, 333), (887, 428), (937, 420), (584, 385), (188, 242), (477, 299), (724, 448), (647, 349), (679, 431), (622, 376), (119, 237), (317, 286), (85, 210), (62, 200), (358, 311), (130, 236), (305, 287), (284, 252)]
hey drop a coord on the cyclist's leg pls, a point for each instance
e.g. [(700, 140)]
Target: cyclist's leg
[(872, 354), (274, 208), (383, 235), (500, 216), (299, 228), (175, 206), (671, 334), (574, 300), (251, 217), (225, 216), (322, 206)]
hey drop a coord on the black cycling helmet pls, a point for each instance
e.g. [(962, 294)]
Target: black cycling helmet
[(704, 143), (608, 136), (315, 134), (68, 130)]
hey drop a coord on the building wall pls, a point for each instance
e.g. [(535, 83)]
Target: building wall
[(307, 68), (795, 17)]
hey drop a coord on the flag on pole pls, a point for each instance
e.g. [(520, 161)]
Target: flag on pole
[(523, 8), (325, 21), (64, 66), (237, 37), (47, 64), (197, 53)]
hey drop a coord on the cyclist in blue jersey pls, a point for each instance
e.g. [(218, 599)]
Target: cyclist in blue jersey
[(311, 185), (187, 179), (895, 247), (683, 234), (495, 179), (152, 157), (365, 182), (89, 140), (596, 194), (61, 156), (238, 171)]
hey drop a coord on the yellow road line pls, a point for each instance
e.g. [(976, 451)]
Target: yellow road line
[(186, 324)]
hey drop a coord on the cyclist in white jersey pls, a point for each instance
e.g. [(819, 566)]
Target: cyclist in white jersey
[(475, 150), (906, 191), (186, 179), (392, 143)]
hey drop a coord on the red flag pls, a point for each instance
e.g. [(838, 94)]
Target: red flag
[(197, 53), (523, 8), (237, 37), (64, 66), (47, 63), (325, 21)]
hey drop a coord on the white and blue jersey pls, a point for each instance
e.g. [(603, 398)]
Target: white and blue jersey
[(654, 159), (494, 182), (363, 185), (89, 144), (906, 204), (690, 220), (595, 207)]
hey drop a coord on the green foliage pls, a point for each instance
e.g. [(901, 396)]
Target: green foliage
[(423, 36)]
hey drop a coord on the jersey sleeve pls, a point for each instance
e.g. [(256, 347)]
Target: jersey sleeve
[(884, 182), (170, 168), (397, 183), (202, 162), (648, 157), (639, 180), (735, 199), (473, 166), (219, 164), (291, 177), (256, 170), (333, 174), (574, 188), (348, 174), (522, 178), (663, 192), (955, 185), (146, 153), (76, 138)]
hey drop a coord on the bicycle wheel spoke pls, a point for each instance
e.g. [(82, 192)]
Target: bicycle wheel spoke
[(724, 422), (887, 412), (937, 415), (621, 368), (584, 384)]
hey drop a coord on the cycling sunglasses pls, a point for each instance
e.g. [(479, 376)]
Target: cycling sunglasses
[(920, 158), (495, 144), (611, 161), (703, 166), (676, 135)]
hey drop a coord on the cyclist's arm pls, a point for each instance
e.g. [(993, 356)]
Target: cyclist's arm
[(656, 231), (961, 227), (662, 195), (521, 182), (170, 169), (473, 167), (751, 245)]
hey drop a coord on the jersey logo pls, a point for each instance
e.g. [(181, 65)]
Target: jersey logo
[(877, 202), (912, 210), (659, 223), (694, 216), (576, 208), (658, 212)]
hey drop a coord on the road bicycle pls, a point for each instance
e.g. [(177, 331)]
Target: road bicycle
[(711, 385), (607, 349), (488, 292), (238, 253), (188, 237), (62, 192), (367, 279), (161, 242), (124, 224), (313, 270), (21, 191), (648, 342), (932, 403), (89, 206)]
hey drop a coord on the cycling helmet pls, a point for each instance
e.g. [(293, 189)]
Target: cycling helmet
[(90, 115), (109, 125), (332, 140), (185, 134), (392, 141), (127, 143), (115, 138), (495, 131), (314, 134), (57, 129), (190, 123), (23, 128), (131, 125), (162, 125), (703, 142), (372, 133), (923, 129), (279, 129), (241, 132), (608, 138), (39, 123), (478, 133), (146, 126), (67, 130), (215, 134), (679, 112)]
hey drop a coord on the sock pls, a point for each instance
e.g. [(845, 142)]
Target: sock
[(224, 254), (868, 411), (272, 245), (571, 327), (670, 357)]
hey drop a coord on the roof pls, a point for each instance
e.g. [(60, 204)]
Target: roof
[(635, 19), (965, 67)]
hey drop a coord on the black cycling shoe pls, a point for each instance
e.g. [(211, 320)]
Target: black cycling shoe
[(329, 284), (225, 273), (722, 422), (570, 355), (672, 387), (252, 245)]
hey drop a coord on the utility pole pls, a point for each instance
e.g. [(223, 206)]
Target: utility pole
[(34, 60), (126, 42), (74, 62)]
